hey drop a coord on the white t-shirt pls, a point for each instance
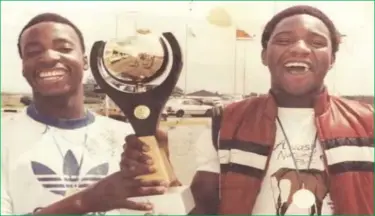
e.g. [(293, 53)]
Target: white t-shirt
[(281, 176), (40, 162)]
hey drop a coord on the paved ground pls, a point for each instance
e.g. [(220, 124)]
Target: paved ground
[(183, 137), (183, 140)]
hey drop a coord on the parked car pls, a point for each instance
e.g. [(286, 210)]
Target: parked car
[(26, 100), (164, 115), (181, 107), (223, 102), (226, 100), (237, 98)]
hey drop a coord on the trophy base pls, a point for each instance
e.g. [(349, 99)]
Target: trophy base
[(176, 201)]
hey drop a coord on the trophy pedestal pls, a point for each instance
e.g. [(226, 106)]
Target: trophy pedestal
[(176, 201)]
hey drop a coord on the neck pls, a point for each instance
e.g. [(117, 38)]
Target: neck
[(60, 107), (283, 99)]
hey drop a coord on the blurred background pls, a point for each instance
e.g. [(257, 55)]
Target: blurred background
[(220, 40)]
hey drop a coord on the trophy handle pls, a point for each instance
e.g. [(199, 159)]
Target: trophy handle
[(164, 170)]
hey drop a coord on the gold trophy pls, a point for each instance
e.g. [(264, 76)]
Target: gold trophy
[(139, 73)]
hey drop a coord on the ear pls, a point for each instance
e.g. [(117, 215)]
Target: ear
[(264, 57), (333, 60), (85, 63)]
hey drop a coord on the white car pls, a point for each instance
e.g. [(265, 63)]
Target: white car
[(228, 100), (237, 98), (181, 107), (164, 115), (223, 103)]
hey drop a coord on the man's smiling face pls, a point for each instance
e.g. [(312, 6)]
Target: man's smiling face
[(299, 54), (53, 59)]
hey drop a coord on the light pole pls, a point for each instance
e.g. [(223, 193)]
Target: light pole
[(220, 17), (244, 69), (187, 34)]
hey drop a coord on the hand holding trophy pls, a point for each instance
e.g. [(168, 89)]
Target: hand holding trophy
[(139, 73)]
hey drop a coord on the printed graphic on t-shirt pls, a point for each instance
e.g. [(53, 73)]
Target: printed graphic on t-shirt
[(287, 184), (60, 184), (285, 181), (301, 153), (45, 160)]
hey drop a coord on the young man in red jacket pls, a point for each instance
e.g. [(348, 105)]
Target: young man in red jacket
[(297, 150)]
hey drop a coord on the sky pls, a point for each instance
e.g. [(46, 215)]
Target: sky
[(213, 59)]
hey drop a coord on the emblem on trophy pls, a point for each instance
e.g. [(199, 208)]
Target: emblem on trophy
[(139, 73)]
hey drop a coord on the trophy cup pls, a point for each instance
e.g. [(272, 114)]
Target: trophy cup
[(138, 73)]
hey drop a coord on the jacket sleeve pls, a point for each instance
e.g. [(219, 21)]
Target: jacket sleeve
[(206, 156)]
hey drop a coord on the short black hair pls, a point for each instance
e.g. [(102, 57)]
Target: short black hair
[(50, 17), (297, 10)]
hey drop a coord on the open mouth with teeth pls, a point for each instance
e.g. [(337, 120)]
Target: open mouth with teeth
[(51, 76), (297, 68)]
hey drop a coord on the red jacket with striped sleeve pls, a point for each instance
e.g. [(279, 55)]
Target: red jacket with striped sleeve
[(342, 125)]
